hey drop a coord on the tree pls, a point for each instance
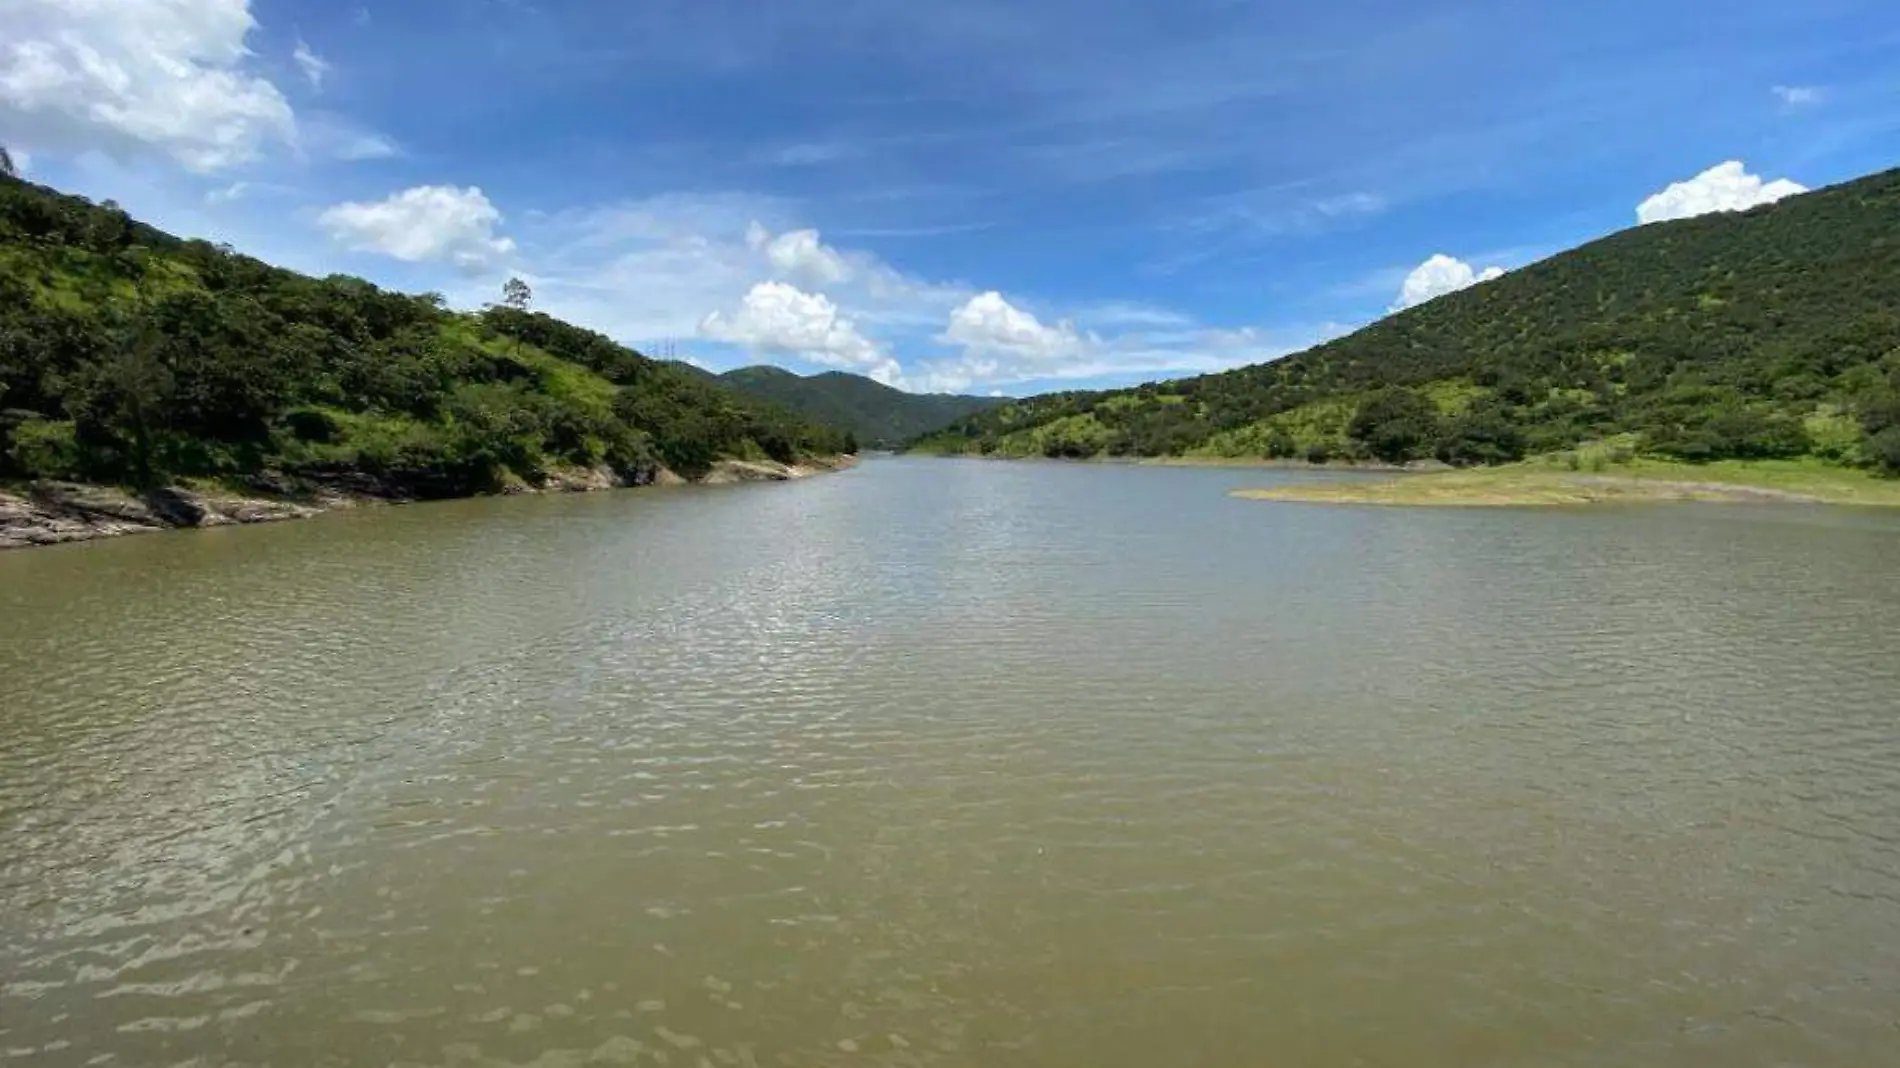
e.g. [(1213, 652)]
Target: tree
[(6, 163), (516, 294), (1397, 424)]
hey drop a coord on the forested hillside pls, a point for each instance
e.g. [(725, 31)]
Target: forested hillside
[(1772, 333), (873, 412), (131, 356)]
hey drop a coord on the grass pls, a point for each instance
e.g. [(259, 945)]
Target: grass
[(1554, 481)]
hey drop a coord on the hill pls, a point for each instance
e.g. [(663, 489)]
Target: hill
[(1770, 333), (131, 356), (875, 413)]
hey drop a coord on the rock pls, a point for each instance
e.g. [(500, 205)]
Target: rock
[(252, 510), (727, 472), (57, 512), (181, 508), (581, 480), (93, 502), (49, 513)]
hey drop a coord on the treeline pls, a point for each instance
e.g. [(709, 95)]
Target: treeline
[(1771, 333), (128, 355)]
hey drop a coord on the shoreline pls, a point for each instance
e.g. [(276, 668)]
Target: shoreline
[(1242, 462), (61, 513), (1535, 484)]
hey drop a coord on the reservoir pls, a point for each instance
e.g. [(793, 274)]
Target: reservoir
[(957, 763)]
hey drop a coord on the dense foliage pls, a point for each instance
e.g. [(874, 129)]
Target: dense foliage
[(131, 356), (1771, 333), (875, 413)]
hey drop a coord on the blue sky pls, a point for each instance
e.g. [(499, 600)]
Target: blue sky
[(991, 195)]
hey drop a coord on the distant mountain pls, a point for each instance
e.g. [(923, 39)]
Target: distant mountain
[(879, 416), (1768, 333)]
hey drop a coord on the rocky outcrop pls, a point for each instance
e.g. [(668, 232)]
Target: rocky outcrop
[(49, 513), (726, 472)]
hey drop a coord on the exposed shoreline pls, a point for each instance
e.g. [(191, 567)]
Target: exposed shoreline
[(59, 513), (1242, 462), (1543, 484)]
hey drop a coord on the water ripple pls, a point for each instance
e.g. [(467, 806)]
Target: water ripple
[(956, 764)]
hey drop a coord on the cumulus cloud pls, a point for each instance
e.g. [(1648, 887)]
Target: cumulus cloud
[(433, 223), (776, 317), (987, 323), (800, 255), (882, 293), (1130, 356), (1723, 187), (1002, 342), (1437, 276), (315, 68), (107, 75), (700, 265)]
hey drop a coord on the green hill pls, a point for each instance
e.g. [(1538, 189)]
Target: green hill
[(128, 355), (1770, 333), (874, 412)]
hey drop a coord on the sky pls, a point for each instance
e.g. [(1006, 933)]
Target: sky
[(988, 196)]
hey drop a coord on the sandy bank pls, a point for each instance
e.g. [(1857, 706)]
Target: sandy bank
[(1539, 484)]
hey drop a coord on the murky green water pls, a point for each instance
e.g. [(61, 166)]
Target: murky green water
[(940, 763)]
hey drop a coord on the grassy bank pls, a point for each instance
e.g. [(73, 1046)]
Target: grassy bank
[(1572, 479)]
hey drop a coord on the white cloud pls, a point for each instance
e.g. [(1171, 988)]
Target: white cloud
[(685, 265), (778, 317), (434, 223), (988, 324), (1799, 96), (1437, 276), (1723, 187), (801, 256), (880, 292), (114, 76), (1132, 356), (314, 67)]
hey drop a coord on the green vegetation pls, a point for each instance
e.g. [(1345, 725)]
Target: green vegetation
[(1771, 334), (130, 356), (874, 413)]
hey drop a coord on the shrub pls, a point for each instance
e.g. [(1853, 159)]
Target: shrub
[(42, 448), (313, 425), (1396, 424), (1483, 435), (1883, 449)]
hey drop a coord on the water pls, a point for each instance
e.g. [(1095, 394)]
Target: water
[(957, 763)]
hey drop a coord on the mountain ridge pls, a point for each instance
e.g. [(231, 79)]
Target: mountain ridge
[(1768, 333), (876, 414)]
